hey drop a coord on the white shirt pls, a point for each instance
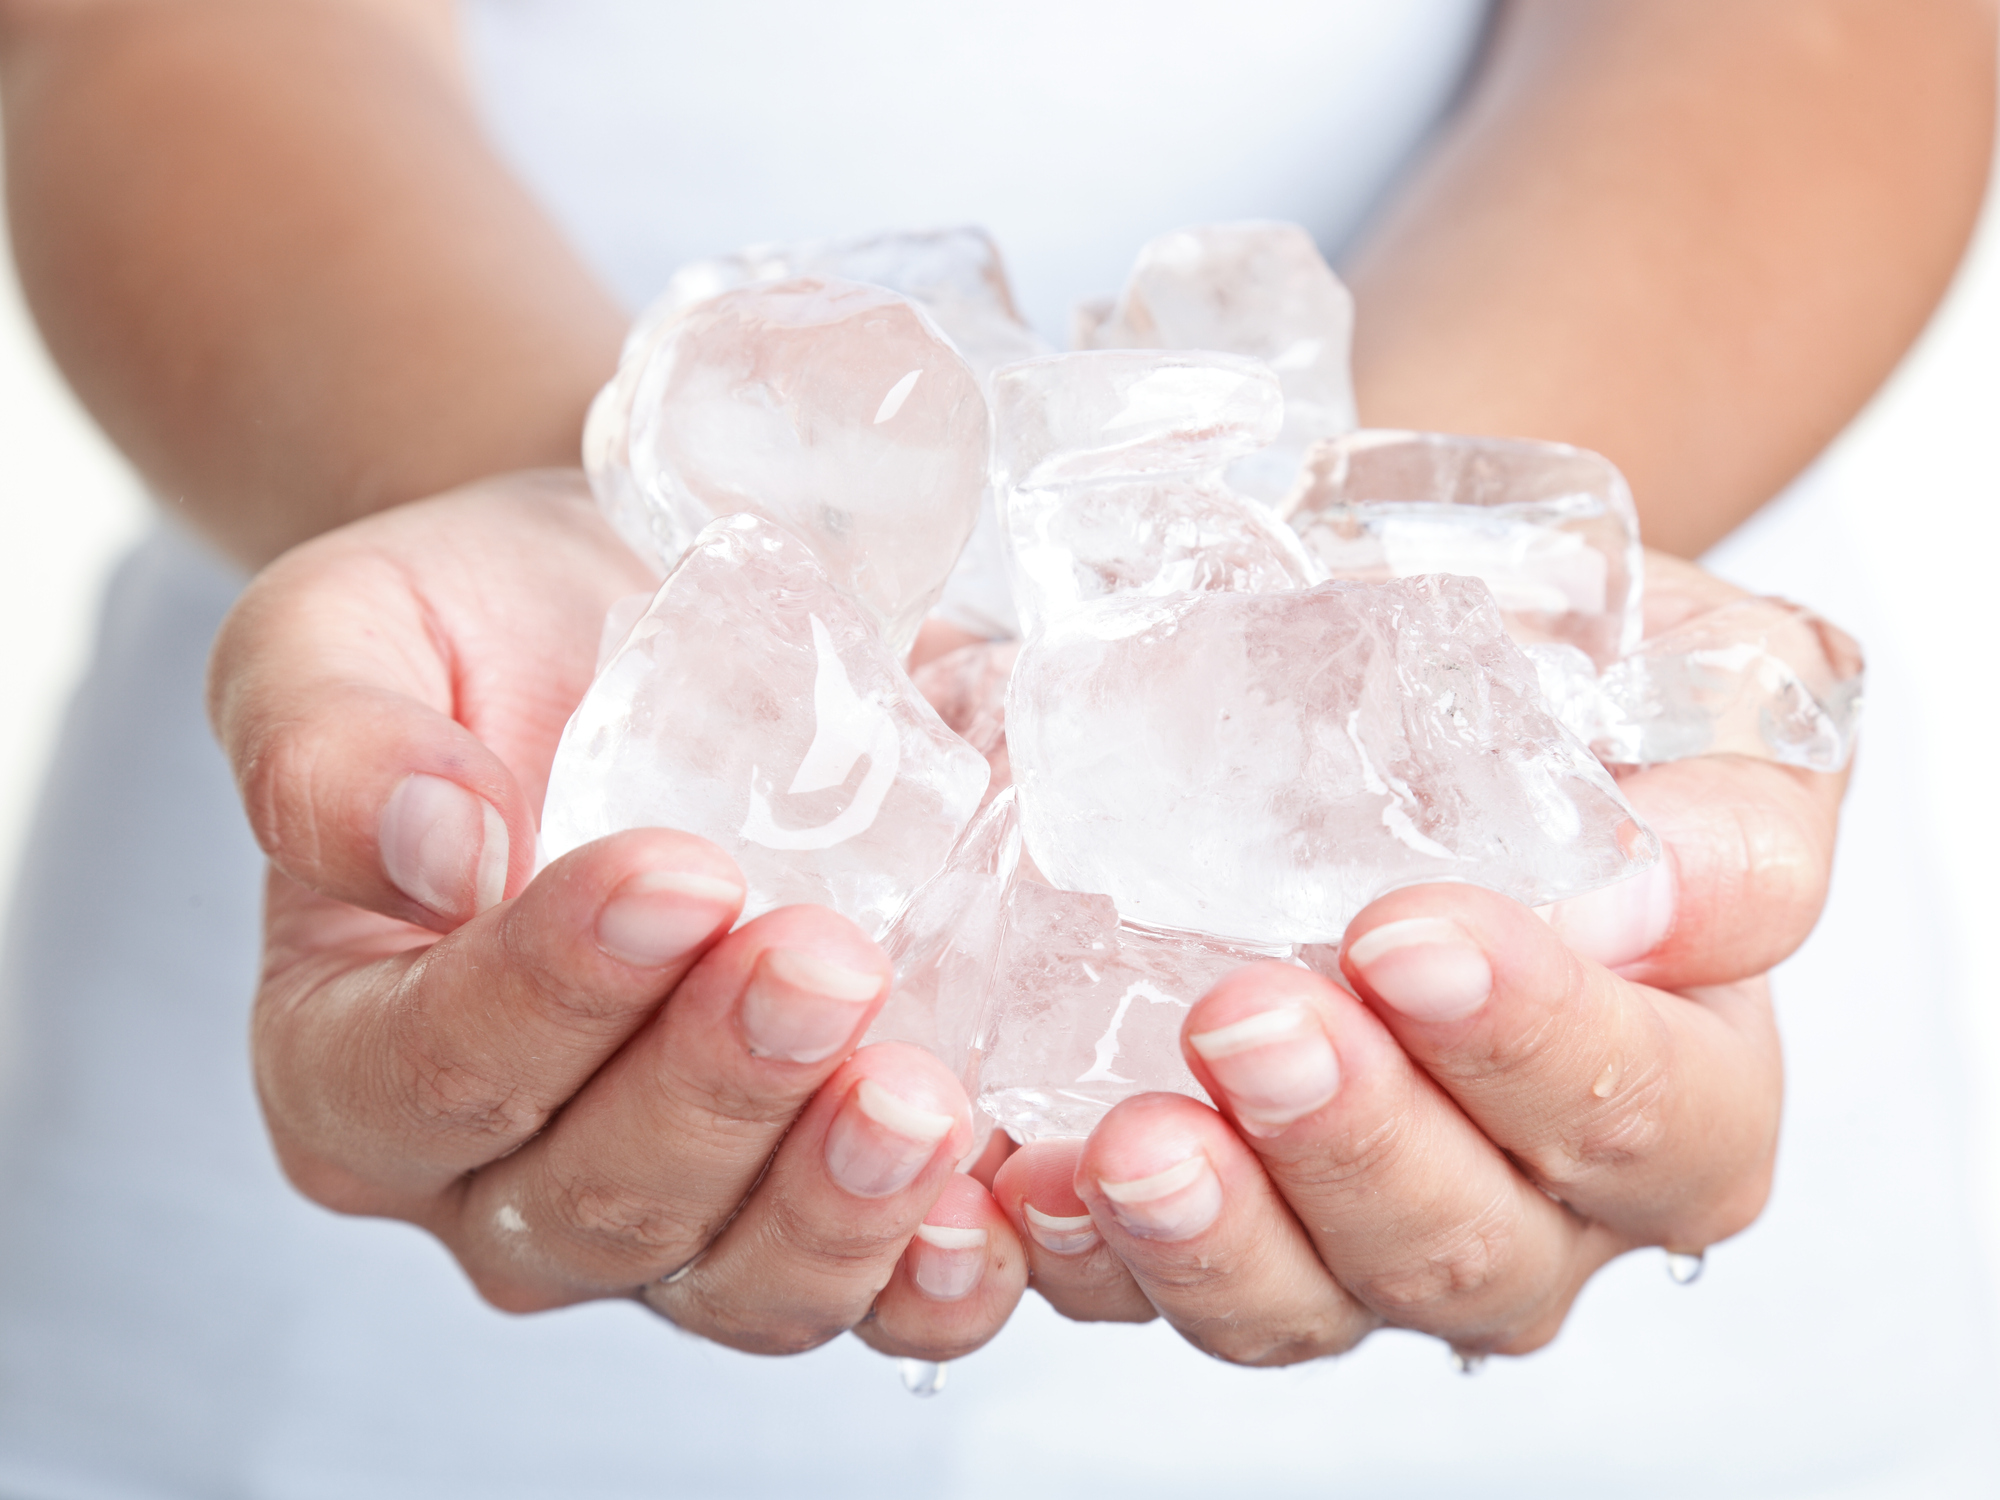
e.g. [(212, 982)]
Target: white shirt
[(175, 1321)]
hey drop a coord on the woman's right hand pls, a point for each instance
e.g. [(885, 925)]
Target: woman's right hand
[(588, 1086)]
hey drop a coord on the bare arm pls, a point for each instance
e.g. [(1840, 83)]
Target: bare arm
[(1692, 234), (270, 248), (272, 252)]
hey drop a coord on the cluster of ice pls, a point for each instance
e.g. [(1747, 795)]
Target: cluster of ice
[(1261, 290), (1268, 667), (755, 704), (836, 409)]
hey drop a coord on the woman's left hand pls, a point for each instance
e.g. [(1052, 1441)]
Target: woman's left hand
[(1506, 1100)]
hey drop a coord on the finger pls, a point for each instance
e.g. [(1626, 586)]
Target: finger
[(389, 730), (1748, 847), (1655, 1113), (1069, 1263), (385, 1078), (1410, 1207), (1188, 1208), (822, 1234), (957, 1283), (649, 1160)]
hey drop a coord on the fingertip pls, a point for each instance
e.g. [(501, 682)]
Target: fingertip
[(1152, 1167), (898, 1113), (444, 846)]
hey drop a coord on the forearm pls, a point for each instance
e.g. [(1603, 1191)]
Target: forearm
[(269, 247), (1692, 234)]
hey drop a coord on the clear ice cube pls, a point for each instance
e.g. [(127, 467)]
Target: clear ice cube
[(1259, 289), (968, 688), (756, 705), (1758, 677), (836, 409), (945, 943), (1260, 766), (1086, 1011), (1549, 528), (955, 274), (1108, 467)]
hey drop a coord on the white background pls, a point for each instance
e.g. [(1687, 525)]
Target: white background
[(1918, 475)]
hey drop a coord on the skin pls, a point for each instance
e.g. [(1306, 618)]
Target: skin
[(345, 304)]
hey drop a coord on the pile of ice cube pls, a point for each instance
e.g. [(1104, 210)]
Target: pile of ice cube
[(1244, 668)]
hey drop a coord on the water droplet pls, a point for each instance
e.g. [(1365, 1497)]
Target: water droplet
[(1685, 1269), (1468, 1361), (1606, 1081), (921, 1377)]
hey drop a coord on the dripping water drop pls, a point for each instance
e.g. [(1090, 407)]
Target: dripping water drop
[(921, 1377), (1685, 1269), (1468, 1361)]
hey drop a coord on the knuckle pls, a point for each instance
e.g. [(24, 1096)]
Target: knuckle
[(528, 962), (1734, 1210), (1260, 1345), (1462, 1264), (853, 1252), (276, 774), (729, 1109), (1354, 1162), (704, 1307), (1631, 1127), (448, 1099), (331, 1186), (509, 1294), (637, 1226)]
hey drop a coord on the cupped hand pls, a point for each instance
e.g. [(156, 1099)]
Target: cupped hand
[(1487, 1105), (588, 1086)]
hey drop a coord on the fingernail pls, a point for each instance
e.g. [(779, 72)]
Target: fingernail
[(655, 918), (1276, 1067), (1061, 1234), (1176, 1204), (1621, 923), (802, 1008), (1425, 967), (946, 1263), (443, 847), (878, 1142)]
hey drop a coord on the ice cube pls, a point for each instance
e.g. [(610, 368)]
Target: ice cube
[(1086, 1011), (1260, 766), (1259, 289), (955, 274), (756, 705), (836, 409), (968, 688), (1757, 677), (945, 944), (1549, 528), (1108, 467)]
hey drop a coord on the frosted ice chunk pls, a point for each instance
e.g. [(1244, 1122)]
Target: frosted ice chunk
[(835, 409), (1550, 529), (1108, 467), (955, 274), (1258, 289), (1758, 677), (1086, 1012), (1123, 414), (945, 944), (756, 705), (968, 688), (1260, 766), (624, 613)]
